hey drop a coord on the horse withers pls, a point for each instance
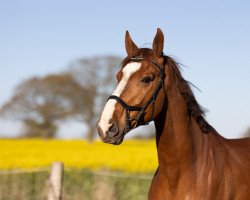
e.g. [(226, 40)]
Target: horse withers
[(195, 162)]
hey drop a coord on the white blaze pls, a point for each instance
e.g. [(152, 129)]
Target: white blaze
[(109, 108)]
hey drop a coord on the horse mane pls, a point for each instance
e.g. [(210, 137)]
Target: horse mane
[(195, 110), (193, 106)]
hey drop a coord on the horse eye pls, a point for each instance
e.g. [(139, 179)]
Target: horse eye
[(147, 79)]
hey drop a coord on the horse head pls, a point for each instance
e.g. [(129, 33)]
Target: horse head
[(139, 96)]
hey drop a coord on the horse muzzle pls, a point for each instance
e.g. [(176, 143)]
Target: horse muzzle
[(112, 135)]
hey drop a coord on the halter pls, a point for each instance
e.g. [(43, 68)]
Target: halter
[(142, 110)]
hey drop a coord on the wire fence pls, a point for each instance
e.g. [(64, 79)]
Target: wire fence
[(77, 184), (23, 171), (99, 173)]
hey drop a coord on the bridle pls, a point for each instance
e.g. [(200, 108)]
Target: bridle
[(139, 120)]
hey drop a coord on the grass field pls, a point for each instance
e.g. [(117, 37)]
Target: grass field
[(77, 185), (130, 156)]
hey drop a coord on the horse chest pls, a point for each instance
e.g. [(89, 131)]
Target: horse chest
[(162, 189)]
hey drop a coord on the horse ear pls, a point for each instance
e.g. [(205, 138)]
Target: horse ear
[(130, 45), (158, 43)]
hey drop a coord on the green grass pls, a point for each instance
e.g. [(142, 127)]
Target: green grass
[(78, 185), (28, 186)]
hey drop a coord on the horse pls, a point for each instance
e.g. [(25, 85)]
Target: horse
[(194, 160)]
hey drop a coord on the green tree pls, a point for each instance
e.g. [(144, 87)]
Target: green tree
[(41, 102), (97, 76)]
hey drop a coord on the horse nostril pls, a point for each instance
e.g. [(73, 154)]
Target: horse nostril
[(113, 130)]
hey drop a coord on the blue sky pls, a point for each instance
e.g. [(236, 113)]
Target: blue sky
[(211, 38)]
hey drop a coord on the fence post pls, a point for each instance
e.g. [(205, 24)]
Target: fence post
[(55, 181)]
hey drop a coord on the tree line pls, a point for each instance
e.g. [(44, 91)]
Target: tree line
[(78, 93)]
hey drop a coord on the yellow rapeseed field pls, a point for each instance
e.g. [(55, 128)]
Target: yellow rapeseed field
[(130, 156)]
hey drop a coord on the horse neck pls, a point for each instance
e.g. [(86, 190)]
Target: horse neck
[(178, 136)]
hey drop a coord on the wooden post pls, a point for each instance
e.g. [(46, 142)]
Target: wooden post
[(55, 181)]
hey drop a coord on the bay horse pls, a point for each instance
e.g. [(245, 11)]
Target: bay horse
[(195, 162)]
